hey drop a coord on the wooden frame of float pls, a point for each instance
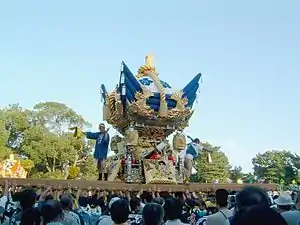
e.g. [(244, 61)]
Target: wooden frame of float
[(102, 185)]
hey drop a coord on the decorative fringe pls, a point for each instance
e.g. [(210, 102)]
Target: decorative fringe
[(209, 157), (163, 109), (106, 112)]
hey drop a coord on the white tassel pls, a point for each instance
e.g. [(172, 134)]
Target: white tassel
[(123, 90), (122, 79), (209, 158)]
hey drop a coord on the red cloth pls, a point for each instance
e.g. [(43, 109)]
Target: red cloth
[(172, 158), (156, 155)]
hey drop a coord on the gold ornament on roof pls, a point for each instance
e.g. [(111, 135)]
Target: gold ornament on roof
[(148, 70)]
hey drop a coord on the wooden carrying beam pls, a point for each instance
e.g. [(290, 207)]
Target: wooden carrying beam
[(102, 185)]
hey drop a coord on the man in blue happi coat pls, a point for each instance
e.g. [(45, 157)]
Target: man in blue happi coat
[(101, 149), (192, 152)]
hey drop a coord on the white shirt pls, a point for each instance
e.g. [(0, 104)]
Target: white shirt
[(174, 222)]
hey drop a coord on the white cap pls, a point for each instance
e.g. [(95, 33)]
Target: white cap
[(284, 199)]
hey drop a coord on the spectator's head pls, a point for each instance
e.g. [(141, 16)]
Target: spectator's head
[(222, 198), (159, 200), (52, 211), (66, 202), (48, 197), (153, 214), (202, 205), (119, 211), (27, 199), (284, 202), (173, 209), (250, 196), (259, 216), (135, 204), (297, 201), (112, 200), (31, 216)]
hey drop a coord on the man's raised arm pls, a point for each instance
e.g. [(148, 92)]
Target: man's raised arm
[(91, 135)]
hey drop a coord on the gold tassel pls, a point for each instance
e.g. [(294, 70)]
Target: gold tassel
[(106, 112), (163, 109)]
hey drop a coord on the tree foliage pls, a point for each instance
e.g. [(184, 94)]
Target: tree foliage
[(207, 171), (276, 166), (236, 173), (42, 138)]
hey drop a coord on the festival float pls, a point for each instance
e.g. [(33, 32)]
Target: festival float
[(145, 110)]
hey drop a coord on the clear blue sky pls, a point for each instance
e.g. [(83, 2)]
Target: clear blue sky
[(247, 51)]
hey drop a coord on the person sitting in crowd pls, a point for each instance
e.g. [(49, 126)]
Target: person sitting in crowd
[(70, 217), (223, 214), (52, 213), (259, 215), (159, 200), (284, 202), (187, 210), (126, 207), (106, 217), (293, 217), (173, 211), (31, 216), (27, 199), (119, 212), (248, 197), (135, 209), (153, 214)]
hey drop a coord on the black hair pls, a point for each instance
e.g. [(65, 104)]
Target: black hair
[(153, 214), (66, 202), (48, 197), (250, 196), (196, 140), (27, 198), (222, 197), (159, 200), (52, 211), (173, 208), (258, 215), (135, 203), (119, 211), (31, 216), (284, 207)]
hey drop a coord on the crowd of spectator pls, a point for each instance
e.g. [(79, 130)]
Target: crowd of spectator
[(72, 206)]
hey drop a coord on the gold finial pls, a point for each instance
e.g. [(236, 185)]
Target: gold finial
[(150, 60)]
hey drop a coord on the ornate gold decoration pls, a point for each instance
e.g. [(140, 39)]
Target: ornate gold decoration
[(140, 107), (159, 172), (131, 137), (179, 141), (113, 167), (115, 106), (149, 70), (180, 101)]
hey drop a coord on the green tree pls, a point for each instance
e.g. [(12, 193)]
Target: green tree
[(236, 173), (275, 166), (42, 135), (27, 164), (4, 135), (217, 169), (249, 178)]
